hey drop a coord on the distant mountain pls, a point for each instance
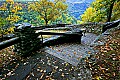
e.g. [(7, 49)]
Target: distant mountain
[(80, 1), (77, 7)]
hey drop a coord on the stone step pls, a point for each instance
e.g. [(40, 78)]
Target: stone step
[(70, 52)]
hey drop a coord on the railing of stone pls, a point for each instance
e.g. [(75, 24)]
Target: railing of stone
[(26, 40), (9, 42), (109, 25), (29, 40), (97, 28), (91, 27)]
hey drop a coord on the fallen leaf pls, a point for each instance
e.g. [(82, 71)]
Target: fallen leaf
[(42, 75), (62, 75)]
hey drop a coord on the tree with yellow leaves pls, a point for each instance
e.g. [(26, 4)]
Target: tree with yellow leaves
[(87, 16), (14, 10), (9, 14), (102, 11), (49, 10), (11, 10)]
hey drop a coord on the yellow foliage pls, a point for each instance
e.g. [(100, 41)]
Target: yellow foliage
[(86, 17), (11, 29), (10, 1), (48, 10), (61, 6), (3, 7), (13, 18), (60, 0), (116, 10), (51, 4), (14, 8), (97, 78)]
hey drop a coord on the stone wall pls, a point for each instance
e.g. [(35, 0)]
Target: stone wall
[(91, 27), (29, 41)]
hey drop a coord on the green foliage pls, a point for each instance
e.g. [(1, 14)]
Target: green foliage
[(9, 14), (2, 24), (32, 17), (88, 14), (116, 10), (11, 11), (65, 18), (3, 29), (102, 11), (49, 10)]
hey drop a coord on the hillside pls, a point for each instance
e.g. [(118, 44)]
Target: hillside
[(77, 8)]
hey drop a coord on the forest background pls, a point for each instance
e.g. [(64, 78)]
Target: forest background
[(46, 12)]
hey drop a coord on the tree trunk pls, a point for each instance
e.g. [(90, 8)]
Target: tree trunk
[(46, 22), (45, 18), (110, 11)]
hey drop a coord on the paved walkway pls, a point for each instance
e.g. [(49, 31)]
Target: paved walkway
[(88, 38), (64, 62), (73, 52)]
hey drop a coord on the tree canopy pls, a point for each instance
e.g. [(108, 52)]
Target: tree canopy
[(102, 11), (11, 11), (49, 10), (9, 14)]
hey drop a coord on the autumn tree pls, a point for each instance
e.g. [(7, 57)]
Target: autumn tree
[(102, 11), (116, 11), (49, 10), (106, 7), (14, 11), (88, 14), (9, 14), (11, 11)]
